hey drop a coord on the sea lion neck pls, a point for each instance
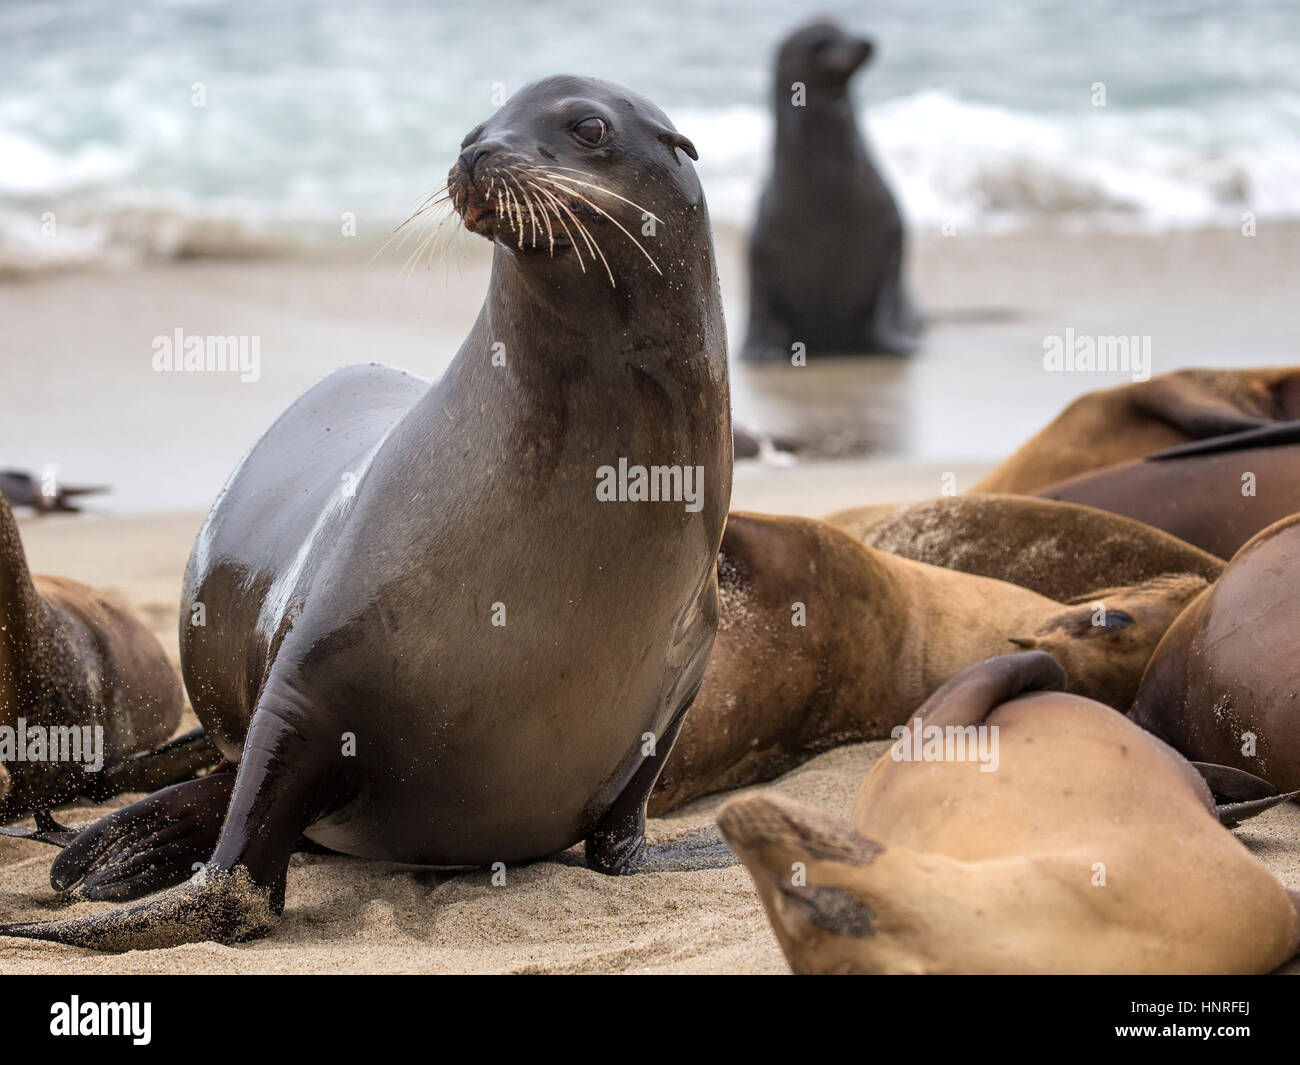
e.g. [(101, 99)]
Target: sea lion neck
[(825, 126)]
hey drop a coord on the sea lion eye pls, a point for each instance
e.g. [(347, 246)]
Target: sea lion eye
[(1117, 619), (590, 130)]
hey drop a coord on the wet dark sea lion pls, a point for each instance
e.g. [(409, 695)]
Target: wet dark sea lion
[(21, 489), (826, 250), (1215, 494), (879, 635), (1092, 848), (70, 659), (1224, 684), (429, 638), (1060, 550), (1120, 424)]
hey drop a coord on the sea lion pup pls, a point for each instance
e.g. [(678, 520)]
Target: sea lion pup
[(1215, 494), (437, 632), (1091, 848), (1060, 550), (85, 691), (822, 641), (1224, 684), (1115, 425), (826, 251)]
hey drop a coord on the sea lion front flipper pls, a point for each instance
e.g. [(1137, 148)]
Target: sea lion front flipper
[(180, 759), (1274, 434), (282, 787), (1239, 795), (895, 325), (149, 845), (978, 689), (618, 847), (1192, 408), (47, 830)]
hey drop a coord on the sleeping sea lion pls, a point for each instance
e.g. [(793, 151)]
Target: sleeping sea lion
[(1115, 425), (1060, 550), (86, 692), (1089, 847), (1223, 685), (462, 624), (822, 641), (1215, 494)]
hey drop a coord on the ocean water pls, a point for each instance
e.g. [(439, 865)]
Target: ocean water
[(981, 114)]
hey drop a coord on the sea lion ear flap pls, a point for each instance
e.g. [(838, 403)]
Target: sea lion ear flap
[(675, 140)]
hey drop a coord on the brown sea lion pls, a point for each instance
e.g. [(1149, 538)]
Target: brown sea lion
[(879, 634), (1215, 494), (1060, 550), (1224, 684), (1091, 847), (85, 690), (451, 624), (1115, 425)]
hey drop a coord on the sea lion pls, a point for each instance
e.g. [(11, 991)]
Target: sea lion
[(436, 632), (1060, 550), (879, 634), (1224, 684), (1115, 425), (826, 250), (1215, 494), (85, 691), (1091, 848)]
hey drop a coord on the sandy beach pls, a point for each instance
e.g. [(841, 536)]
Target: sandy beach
[(346, 915)]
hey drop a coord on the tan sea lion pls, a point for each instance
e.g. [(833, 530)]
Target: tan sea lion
[(1119, 424), (71, 663), (879, 635), (1060, 550), (1092, 847), (1215, 494), (1224, 684)]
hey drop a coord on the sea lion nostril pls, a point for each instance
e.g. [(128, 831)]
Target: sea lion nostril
[(471, 156)]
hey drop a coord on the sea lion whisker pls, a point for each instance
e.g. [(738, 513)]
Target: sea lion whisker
[(576, 250), (531, 215), (599, 188), (555, 182), (592, 244)]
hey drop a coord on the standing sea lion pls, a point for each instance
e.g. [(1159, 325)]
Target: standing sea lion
[(822, 641), (437, 632), (826, 251), (1092, 847), (1118, 424), (72, 663), (1224, 684), (1060, 550), (1215, 494)]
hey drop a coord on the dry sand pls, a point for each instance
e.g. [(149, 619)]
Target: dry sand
[(349, 915)]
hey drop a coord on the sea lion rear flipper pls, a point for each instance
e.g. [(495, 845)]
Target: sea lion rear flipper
[(969, 697), (1239, 795), (1274, 434), (178, 760), (149, 845), (47, 830), (618, 847)]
